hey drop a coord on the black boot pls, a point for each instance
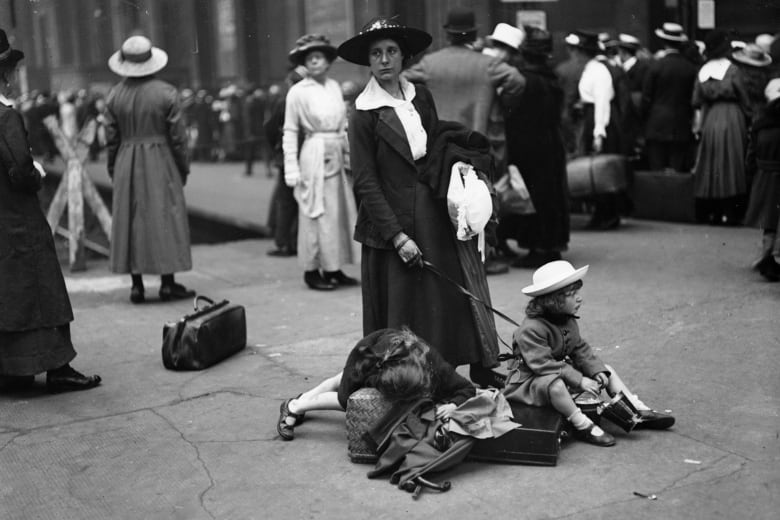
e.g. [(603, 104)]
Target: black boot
[(66, 379), (769, 268), (137, 290)]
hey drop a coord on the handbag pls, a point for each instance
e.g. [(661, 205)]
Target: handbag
[(205, 337), (597, 174), (513, 196)]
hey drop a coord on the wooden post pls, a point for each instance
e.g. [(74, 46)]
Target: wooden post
[(75, 188)]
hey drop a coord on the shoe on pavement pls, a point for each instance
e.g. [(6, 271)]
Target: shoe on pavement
[(604, 440), (137, 294), (652, 420), (339, 278), (287, 431), (315, 281), (67, 379), (175, 291), (281, 252)]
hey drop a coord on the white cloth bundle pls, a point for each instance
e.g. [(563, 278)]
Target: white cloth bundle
[(469, 204)]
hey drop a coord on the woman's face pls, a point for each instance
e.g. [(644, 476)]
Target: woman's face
[(386, 60), (316, 63)]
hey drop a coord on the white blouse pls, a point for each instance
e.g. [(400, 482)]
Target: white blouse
[(596, 87), (374, 96)]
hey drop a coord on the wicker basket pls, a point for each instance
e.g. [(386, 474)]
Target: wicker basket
[(364, 408)]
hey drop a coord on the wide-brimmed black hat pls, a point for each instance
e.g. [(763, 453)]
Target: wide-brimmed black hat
[(7, 54), (410, 39), (311, 42), (460, 20), (584, 40), (717, 44), (537, 42)]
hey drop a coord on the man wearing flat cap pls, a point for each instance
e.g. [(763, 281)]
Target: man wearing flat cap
[(667, 91)]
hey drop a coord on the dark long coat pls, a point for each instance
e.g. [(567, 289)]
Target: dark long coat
[(147, 160), (666, 99), (393, 199), (535, 146), (32, 289)]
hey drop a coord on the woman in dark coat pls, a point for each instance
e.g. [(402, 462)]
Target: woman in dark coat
[(35, 312), (535, 146), (722, 121), (400, 220), (148, 164)]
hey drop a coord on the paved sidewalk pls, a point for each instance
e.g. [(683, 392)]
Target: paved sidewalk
[(674, 308)]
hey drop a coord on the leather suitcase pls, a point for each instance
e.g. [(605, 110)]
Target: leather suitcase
[(537, 442), (591, 175), (205, 337), (663, 196)]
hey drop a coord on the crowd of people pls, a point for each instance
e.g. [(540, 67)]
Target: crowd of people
[(367, 172)]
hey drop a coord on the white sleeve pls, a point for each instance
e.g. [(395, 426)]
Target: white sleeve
[(603, 92), (291, 129)]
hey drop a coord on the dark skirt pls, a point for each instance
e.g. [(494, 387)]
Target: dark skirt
[(764, 209), (395, 295), (30, 352), (720, 162)]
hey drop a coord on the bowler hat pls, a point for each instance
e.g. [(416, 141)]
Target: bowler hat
[(311, 42), (752, 55), (460, 20), (137, 57), (553, 276), (7, 54), (672, 32), (411, 40)]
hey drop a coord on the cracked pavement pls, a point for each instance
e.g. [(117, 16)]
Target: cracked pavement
[(674, 308)]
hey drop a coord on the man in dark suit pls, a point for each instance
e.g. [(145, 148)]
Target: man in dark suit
[(666, 103)]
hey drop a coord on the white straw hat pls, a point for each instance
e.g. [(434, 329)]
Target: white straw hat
[(672, 32), (553, 276), (508, 35), (137, 58)]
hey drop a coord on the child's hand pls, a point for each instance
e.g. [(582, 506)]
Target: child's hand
[(602, 379), (443, 411), (591, 386)]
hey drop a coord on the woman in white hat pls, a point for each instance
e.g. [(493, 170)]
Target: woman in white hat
[(551, 358), (36, 311), (315, 113), (148, 163)]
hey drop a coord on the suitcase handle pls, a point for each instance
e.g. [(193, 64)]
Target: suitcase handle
[(198, 298)]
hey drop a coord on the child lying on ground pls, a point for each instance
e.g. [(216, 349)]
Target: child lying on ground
[(397, 363), (551, 358)]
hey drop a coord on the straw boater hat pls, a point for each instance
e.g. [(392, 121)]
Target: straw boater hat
[(410, 39), (7, 54), (627, 41), (460, 20), (672, 32), (752, 55), (311, 42), (137, 58), (553, 276), (508, 35)]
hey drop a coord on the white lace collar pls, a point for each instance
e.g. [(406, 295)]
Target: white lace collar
[(714, 69), (374, 96)]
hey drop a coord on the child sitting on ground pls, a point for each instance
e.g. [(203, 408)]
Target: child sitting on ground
[(551, 357), (397, 363)]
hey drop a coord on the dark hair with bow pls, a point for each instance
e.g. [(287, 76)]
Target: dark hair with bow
[(400, 372)]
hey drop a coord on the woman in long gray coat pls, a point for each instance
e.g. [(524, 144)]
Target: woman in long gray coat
[(35, 312), (148, 163)]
